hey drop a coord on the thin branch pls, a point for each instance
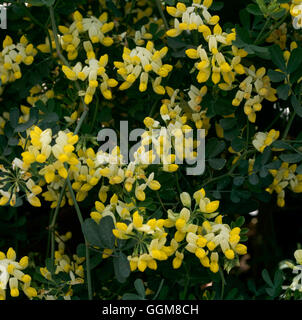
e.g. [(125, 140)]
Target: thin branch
[(158, 4)]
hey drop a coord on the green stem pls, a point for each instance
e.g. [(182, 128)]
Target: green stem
[(62, 58), (158, 4), (80, 217), (95, 112), (158, 196), (276, 26), (55, 34), (77, 129), (262, 30), (53, 222), (49, 234), (153, 108), (159, 289), (222, 283), (177, 183), (5, 160), (247, 132), (186, 283), (230, 172), (289, 124)]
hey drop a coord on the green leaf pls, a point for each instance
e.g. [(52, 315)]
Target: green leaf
[(217, 164), (222, 107), (263, 172), (265, 156), (33, 118), (238, 181), (217, 5), (299, 169), (13, 141), (237, 144), (140, 288), (99, 235), (91, 232), (266, 277), (254, 9), (51, 117), (228, 123), (270, 291), (296, 105), (279, 13), (277, 57), (95, 259), (291, 157), (274, 164), (278, 278), (175, 43), (105, 228), (253, 179), (81, 250), (131, 296), (14, 117), (276, 76), (214, 147), (281, 145), (283, 91), (239, 221), (295, 60), (121, 267)]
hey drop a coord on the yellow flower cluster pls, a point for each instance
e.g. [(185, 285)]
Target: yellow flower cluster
[(219, 60), (296, 282), (51, 159), (177, 125), (91, 71), (139, 62), (208, 238), (39, 93), (55, 158), (63, 263), (97, 28), (13, 276), (256, 81), (285, 177), (215, 64), (15, 179), (190, 17), (12, 56), (141, 35), (193, 232), (296, 13), (264, 139)]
